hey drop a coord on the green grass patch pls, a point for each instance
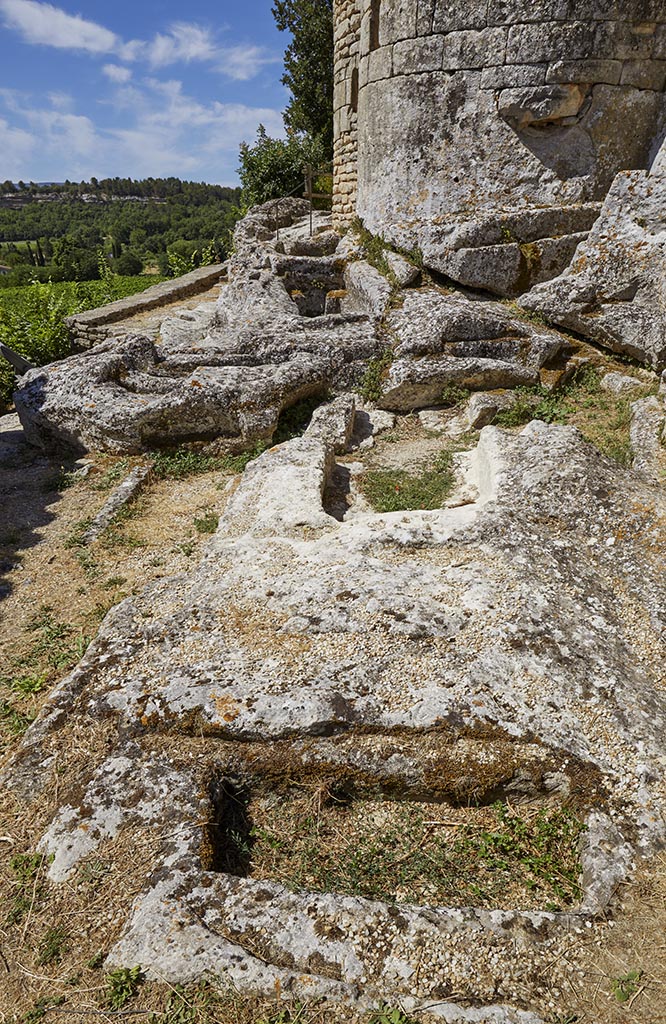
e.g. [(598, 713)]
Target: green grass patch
[(603, 418), (371, 386), (206, 523), (52, 946), (28, 870), (395, 490), (181, 463), (454, 394), (401, 852)]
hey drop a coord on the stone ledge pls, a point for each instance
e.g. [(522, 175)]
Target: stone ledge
[(158, 295)]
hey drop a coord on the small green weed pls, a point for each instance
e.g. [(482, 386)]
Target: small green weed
[(122, 985), (28, 889), (117, 538), (111, 476), (16, 722), (26, 685), (454, 394), (52, 946), (207, 523), (96, 961), (186, 547), (38, 1011), (626, 986), (56, 643), (62, 480), (113, 582), (391, 1015), (75, 538), (237, 463), (88, 563), (394, 490), (372, 383)]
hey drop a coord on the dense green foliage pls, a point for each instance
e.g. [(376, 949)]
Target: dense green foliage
[(273, 168), (32, 318), (308, 63), (55, 232)]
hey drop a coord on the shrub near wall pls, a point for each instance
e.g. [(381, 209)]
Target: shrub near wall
[(32, 319)]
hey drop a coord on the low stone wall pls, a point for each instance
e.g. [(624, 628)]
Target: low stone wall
[(95, 325)]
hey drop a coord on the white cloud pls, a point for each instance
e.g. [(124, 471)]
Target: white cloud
[(183, 42), (50, 26), (61, 100), (18, 147), (244, 62), (116, 73), (163, 131)]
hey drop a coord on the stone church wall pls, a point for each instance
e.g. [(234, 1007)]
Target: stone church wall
[(493, 124)]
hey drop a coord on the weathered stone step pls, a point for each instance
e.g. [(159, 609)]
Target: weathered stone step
[(512, 268), (529, 225)]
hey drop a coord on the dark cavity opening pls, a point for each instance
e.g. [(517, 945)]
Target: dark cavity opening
[(354, 91), (228, 842), (375, 8)]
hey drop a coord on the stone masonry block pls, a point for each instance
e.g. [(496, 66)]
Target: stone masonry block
[(397, 20), (380, 64), (502, 12), (535, 43), (625, 41), (413, 56), (659, 50), (645, 74), (452, 16), (474, 49), (565, 71), (513, 76), (424, 16)]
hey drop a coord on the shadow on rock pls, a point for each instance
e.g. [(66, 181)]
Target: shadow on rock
[(30, 485)]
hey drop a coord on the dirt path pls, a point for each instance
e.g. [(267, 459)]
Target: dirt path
[(150, 321)]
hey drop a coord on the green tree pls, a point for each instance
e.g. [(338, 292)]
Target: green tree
[(308, 63), (274, 167), (128, 264)]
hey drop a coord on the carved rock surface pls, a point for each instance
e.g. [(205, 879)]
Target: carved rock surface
[(448, 339), (614, 291), (220, 371), (516, 639)]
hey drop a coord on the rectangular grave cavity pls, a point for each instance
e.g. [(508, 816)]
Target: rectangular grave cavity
[(328, 837)]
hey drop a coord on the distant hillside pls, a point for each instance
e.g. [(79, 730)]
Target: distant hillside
[(63, 226)]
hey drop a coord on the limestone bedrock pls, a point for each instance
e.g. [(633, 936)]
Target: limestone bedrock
[(225, 372), (519, 636), (222, 374), (614, 292)]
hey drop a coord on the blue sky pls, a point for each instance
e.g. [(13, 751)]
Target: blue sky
[(135, 89)]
